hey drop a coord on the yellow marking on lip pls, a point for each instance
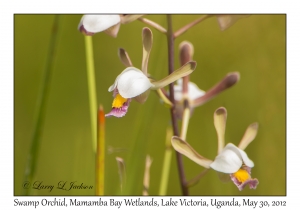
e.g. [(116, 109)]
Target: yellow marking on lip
[(118, 101), (241, 175)]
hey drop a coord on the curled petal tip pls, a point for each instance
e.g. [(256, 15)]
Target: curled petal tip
[(193, 65), (232, 78), (220, 111), (147, 38), (146, 30), (254, 125), (186, 52)]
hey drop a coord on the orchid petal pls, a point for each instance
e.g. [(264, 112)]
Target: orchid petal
[(231, 159), (228, 81), (124, 57), (147, 45), (223, 177), (248, 136), (119, 112), (225, 21), (194, 91), (113, 31), (143, 97), (184, 148), (186, 50), (131, 82), (98, 23), (251, 182), (129, 18), (185, 70), (220, 117), (228, 161)]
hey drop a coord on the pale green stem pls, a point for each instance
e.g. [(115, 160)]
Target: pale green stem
[(41, 105), (166, 164), (91, 88), (185, 122), (146, 182), (100, 157)]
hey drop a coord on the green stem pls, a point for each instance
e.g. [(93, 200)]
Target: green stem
[(185, 120), (41, 104), (166, 164), (91, 88)]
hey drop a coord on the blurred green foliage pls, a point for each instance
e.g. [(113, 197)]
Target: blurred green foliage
[(255, 46)]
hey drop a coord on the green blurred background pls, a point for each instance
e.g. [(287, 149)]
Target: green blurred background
[(255, 46)]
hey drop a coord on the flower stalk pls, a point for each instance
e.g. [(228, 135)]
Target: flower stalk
[(91, 88), (190, 25), (170, 38), (166, 164)]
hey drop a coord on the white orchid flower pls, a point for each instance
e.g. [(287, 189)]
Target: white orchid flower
[(110, 24), (231, 160), (194, 91), (133, 83)]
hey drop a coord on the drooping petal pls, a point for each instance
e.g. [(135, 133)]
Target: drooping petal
[(143, 97), (124, 57), (231, 159), (147, 45), (183, 71), (98, 23), (113, 31), (193, 91), (131, 83), (220, 117), (249, 135), (223, 177), (184, 148)]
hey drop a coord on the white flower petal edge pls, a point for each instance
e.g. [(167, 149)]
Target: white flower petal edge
[(231, 159), (194, 91), (131, 83), (98, 23)]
